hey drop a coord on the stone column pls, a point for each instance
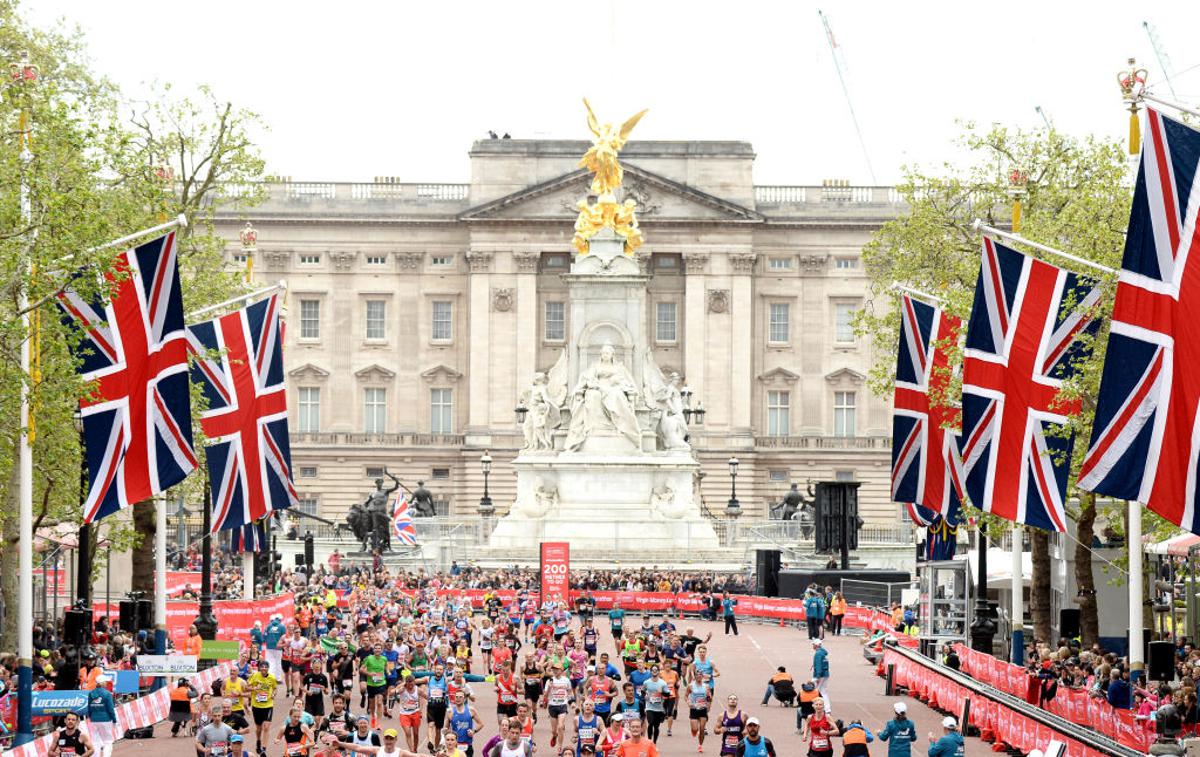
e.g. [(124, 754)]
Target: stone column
[(479, 331), (695, 319), (525, 265), (741, 267)]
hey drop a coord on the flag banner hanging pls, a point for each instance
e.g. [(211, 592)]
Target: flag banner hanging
[(1144, 445), (239, 366), (137, 428), (402, 522), (1021, 344), (926, 468), (251, 537)]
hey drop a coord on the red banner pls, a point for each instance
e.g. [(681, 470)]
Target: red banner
[(556, 571), (235, 617)]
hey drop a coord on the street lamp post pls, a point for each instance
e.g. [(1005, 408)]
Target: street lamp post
[(486, 508), (206, 621), (83, 570), (733, 508)]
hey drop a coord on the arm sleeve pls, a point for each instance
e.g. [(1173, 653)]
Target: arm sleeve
[(886, 732)]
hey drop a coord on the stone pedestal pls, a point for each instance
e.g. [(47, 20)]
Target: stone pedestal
[(627, 503)]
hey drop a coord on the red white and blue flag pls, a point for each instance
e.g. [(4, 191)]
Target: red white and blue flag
[(1021, 345), (239, 366), (926, 469), (1145, 438), (402, 522), (137, 429)]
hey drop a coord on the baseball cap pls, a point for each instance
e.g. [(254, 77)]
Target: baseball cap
[(362, 719), (618, 717), (753, 721), (900, 708), (390, 733), (236, 739), (816, 642), (44, 653), (949, 722), (591, 668)]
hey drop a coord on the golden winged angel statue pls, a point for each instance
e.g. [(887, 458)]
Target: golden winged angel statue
[(601, 159)]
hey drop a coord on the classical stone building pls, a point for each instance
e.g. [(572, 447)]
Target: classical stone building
[(417, 313)]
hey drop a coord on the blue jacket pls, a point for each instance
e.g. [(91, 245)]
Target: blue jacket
[(900, 735), (275, 631), (814, 608), (1120, 695), (100, 706), (950, 745), (821, 663)]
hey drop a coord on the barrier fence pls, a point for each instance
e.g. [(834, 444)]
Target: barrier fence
[(138, 713), (1072, 705), (1006, 718), (235, 617)]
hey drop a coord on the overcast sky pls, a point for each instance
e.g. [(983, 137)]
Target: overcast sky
[(354, 89)]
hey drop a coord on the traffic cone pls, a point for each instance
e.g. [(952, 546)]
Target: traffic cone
[(781, 623)]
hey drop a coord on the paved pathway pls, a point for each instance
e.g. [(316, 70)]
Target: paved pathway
[(746, 663)]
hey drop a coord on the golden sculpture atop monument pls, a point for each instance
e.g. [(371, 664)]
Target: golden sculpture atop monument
[(601, 160)]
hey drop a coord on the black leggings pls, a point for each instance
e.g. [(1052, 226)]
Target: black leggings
[(654, 722), (730, 622), (837, 624)]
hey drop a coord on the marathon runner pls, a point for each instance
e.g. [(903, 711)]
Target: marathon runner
[(730, 726)]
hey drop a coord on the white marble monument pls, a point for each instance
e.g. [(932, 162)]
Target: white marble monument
[(606, 463)]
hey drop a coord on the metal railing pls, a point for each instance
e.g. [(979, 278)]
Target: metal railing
[(824, 442), (303, 191), (792, 532), (346, 438)]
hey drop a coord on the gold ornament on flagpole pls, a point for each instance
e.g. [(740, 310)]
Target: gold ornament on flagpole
[(1133, 83), (601, 160)]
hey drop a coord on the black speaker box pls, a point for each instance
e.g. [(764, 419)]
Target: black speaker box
[(767, 572), (1068, 622), (1160, 662), (77, 627)]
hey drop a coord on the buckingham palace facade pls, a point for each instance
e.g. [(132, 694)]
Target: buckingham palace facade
[(417, 314)]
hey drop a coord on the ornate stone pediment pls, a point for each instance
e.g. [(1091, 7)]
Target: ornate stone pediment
[(441, 374), (375, 372), (778, 377), (658, 198), (309, 371), (845, 378)]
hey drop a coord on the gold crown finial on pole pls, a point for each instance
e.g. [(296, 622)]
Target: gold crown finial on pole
[(1132, 82)]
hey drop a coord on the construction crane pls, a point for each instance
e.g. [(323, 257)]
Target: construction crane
[(1045, 118), (1161, 53), (837, 63)]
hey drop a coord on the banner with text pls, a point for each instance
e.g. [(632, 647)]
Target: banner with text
[(235, 617), (556, 571)]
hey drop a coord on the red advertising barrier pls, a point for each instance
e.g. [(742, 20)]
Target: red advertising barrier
[(1009, 726), (235, 617), (179, 581), (1073, 705)]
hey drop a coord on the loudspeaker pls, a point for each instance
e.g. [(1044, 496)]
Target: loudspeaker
[(145, 614), (767, 563), (77, 627), (299, 560), (1161, 661), (1068, 623), (127, 615), (309, 552), (837, 512)]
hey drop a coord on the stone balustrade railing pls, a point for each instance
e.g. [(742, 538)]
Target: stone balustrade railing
[(823, 442)]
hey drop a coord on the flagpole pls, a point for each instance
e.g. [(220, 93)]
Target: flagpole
[(1018, 600), (1137, 658), (23, 72), (160, 575), (278, 286), (979, 225), (933, 298), (1170, 104)]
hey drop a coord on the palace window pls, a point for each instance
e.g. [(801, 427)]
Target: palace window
[(376, 259), (556, 321), (308, 419), (376, 319), (308, 471), (781, 264), (310, 319), (779, 323), (310, 258), (310, 504), (845, 264), (843, 322), (442, 260), (443, 321), (664, 322), (374, 409), (441, 411), (779, 413), (843, 413)]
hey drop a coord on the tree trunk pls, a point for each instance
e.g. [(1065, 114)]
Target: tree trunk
[(144, 520), (1085, 578), (1039, 584), (9, 569)]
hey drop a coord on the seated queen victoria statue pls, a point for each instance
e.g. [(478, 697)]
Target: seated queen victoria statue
[(603, 401)]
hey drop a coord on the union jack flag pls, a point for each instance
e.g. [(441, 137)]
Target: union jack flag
[(249, 538), (406, 530), (926, 468), (941, 533), (1144, 443), (1021, 344), (239, 366), (137, 430)]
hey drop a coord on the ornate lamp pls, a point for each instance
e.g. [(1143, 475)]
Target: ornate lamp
[(485, 502), (733, 508), (521, 411), (698, 413)]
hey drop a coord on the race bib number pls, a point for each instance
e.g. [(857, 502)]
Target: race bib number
[(295, 749), (820, 743), (262, 697), (437, 693), (732, 739), (218, 750)]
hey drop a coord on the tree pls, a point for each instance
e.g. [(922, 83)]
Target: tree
[(1076, 199)]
